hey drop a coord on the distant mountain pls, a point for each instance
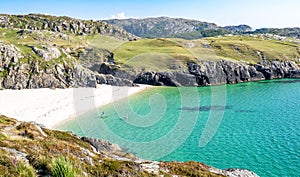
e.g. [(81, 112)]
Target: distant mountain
[(62, 24), (175, 27), (287, 32)]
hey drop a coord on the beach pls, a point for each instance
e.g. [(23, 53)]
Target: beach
[(49, 107)]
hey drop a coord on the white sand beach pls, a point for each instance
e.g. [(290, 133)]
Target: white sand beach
[(50, 107)]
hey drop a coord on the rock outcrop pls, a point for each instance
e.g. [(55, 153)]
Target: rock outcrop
[(32, 73), (63, 24), (102, 145), (47, 53), (220, 72)]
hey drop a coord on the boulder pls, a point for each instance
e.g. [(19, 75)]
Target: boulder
[(103, 145), (47, 53)]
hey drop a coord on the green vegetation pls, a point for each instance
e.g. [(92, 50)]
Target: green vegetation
[(189, 169), (200, 34), (10, 166), (104, 42), (163, 54), (155, 54), (287, 32), (247, 48), (61, 154), (62, 168)]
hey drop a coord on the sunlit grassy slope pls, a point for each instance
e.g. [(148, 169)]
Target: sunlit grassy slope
[(164, 53), (153, 54)]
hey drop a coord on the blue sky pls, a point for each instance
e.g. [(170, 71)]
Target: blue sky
[(256, 13)]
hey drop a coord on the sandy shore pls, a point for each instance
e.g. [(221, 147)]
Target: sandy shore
[(50, 107)]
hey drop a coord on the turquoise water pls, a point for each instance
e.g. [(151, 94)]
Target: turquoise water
[(250, 125)]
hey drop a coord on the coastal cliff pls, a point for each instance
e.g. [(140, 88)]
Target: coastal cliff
[(220, 72), (17, 74)]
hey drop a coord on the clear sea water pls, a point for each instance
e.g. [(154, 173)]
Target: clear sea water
[(253, 125)]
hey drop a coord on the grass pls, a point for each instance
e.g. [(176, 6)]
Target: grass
[(59, 154), (164, 54), (189, 169), (157, 54), (10, 166), (62, 167), (245, 48), (104, 42), (6, 121)]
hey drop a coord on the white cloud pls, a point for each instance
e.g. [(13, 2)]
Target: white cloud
[(119, 16)]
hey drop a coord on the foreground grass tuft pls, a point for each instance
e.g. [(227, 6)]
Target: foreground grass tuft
[(62, 168)]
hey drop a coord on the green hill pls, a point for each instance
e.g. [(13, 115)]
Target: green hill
[(163, 54)]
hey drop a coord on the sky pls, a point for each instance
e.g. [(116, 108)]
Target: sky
[(256, 13)]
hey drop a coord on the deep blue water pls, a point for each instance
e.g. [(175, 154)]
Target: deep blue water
[(249, 125)]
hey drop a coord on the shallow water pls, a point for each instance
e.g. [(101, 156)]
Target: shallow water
[(250, 125)]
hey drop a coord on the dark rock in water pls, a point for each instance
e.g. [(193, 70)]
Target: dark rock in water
[(205, 108), (244, 111)]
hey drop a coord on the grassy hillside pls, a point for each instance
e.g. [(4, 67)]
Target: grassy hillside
[(28, 150), (154, 54), (161, 54), (247, 48)]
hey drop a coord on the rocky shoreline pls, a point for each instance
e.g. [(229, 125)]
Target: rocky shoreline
[(154, 166), (221, 72), (35, 147)]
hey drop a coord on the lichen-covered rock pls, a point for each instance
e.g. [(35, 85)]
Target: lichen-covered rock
[(8, 54), (47, 53)]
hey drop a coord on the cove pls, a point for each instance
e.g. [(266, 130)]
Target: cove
[(253, 125)]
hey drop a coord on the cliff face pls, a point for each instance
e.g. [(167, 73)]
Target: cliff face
[(221, 72)]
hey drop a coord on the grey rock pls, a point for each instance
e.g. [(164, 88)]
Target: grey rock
[(220, 72), (63, 24), (103, 145), (234, 172), (47, 53)]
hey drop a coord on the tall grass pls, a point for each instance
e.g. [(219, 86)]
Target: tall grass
[(25, 170), (61, 167)]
